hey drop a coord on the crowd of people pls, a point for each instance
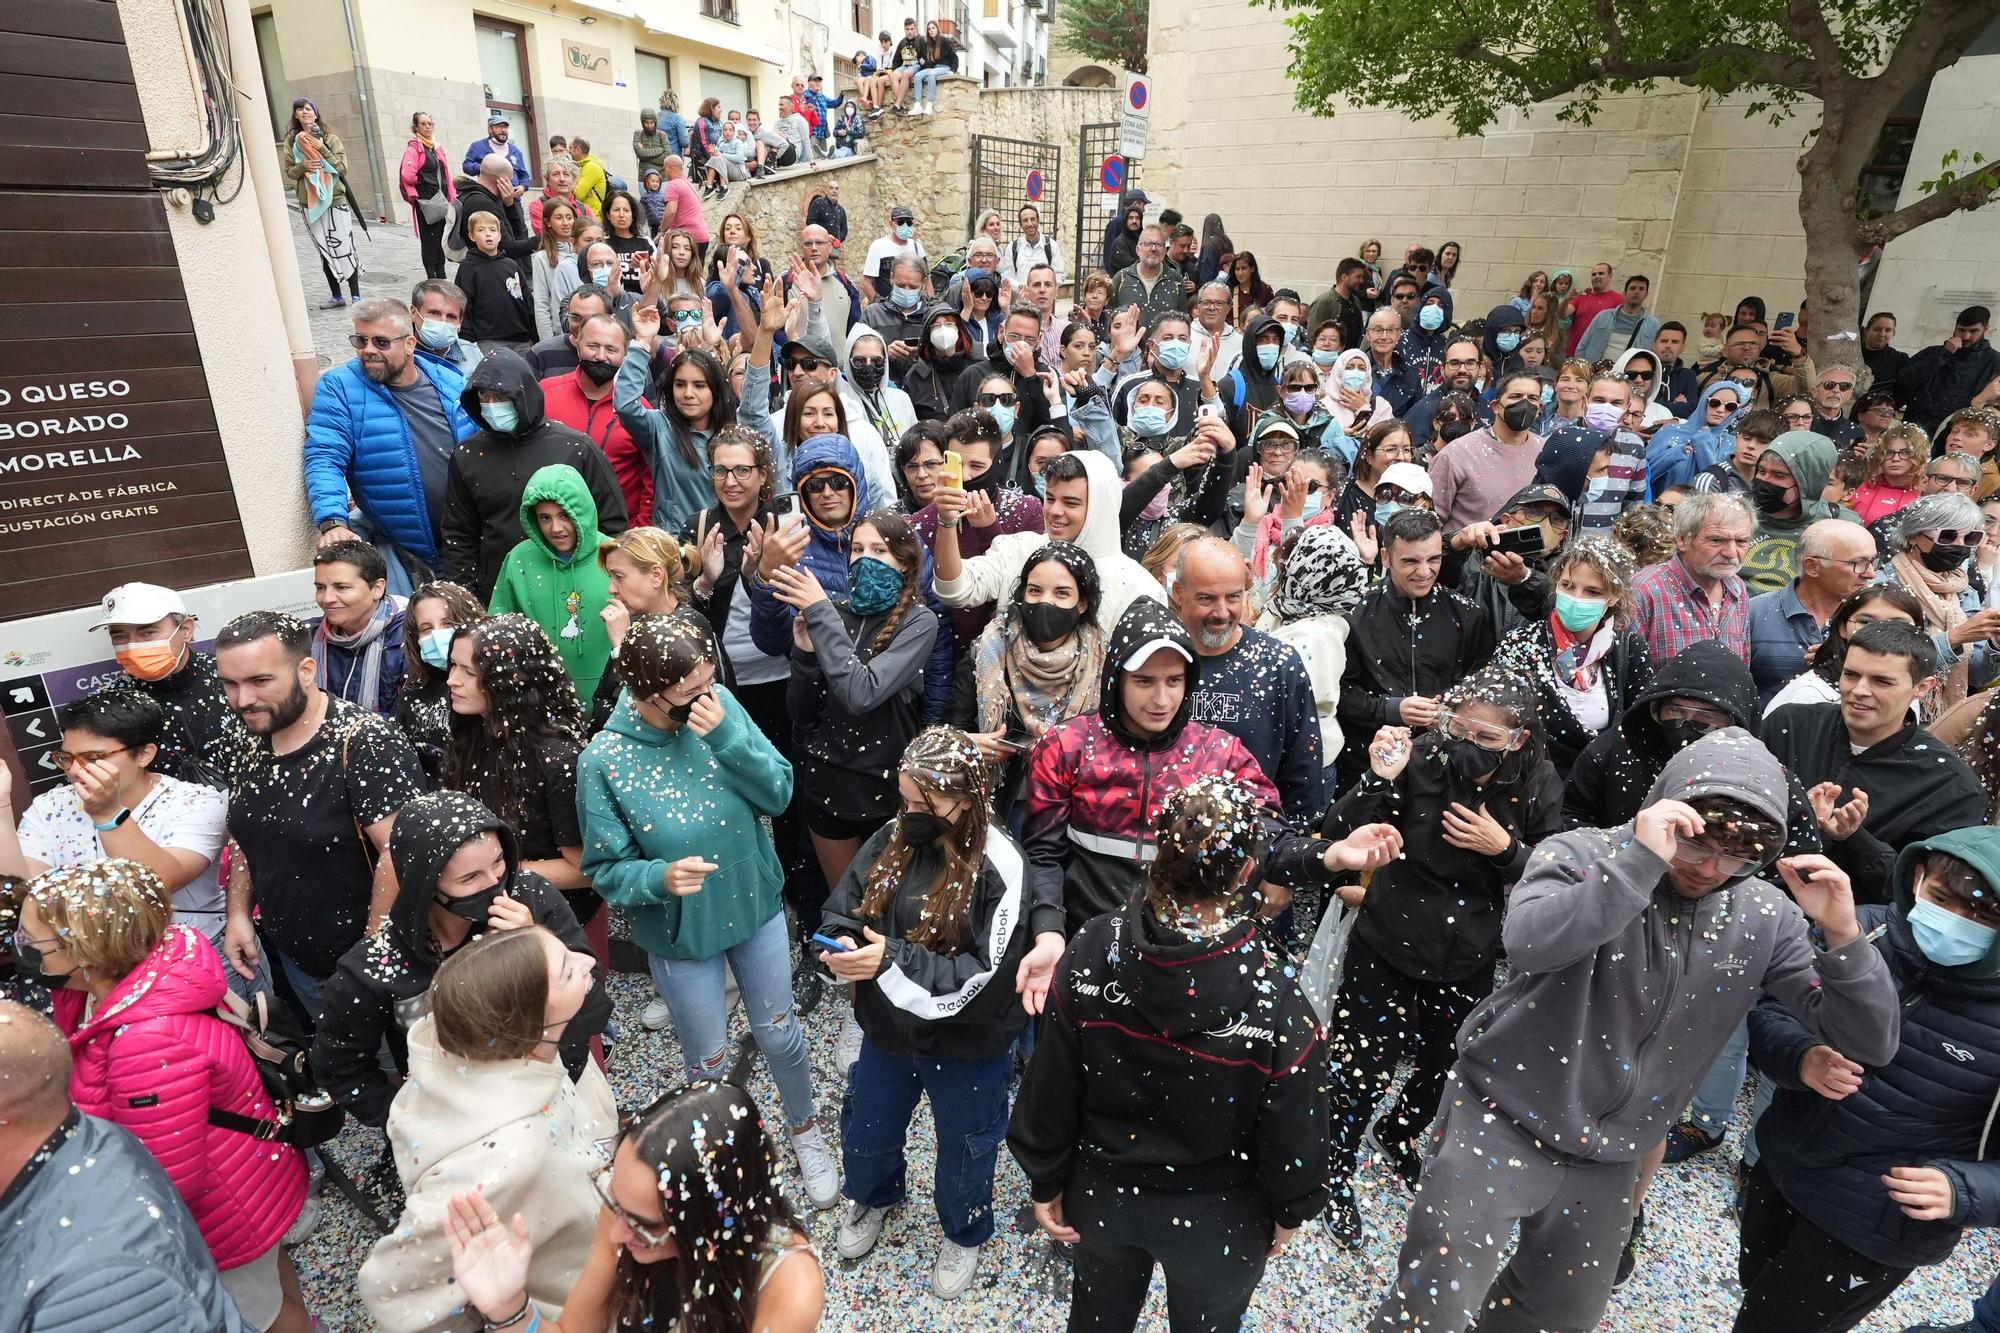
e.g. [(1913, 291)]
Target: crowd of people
[(1206, 740)]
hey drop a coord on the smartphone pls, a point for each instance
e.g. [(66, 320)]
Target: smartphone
[(787, 506), (1531, 539), (1018, 741), (1785, 320), (829, 942), (1209, 410), (954, 470)]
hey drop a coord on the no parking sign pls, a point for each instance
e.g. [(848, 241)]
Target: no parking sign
[(1034, 187), (1132, 126), (1111, 175)]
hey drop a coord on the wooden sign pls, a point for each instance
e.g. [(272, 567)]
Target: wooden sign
[(584, 61)]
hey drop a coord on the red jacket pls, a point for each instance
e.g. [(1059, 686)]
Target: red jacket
[(413, 162), (153, 1059), (563, 400)]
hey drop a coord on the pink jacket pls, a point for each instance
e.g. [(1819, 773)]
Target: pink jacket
[(154, 1059), (413, 161)]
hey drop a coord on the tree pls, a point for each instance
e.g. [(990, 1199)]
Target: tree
[(1111, 31), (1858, 58)]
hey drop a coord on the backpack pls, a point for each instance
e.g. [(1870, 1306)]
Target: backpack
[(278, 1046), (454, 232)]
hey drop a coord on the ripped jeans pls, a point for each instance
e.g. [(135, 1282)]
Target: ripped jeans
[(693, 989)]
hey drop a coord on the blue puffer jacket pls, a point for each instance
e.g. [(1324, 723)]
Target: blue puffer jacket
[(1933, 1105), (1683, 448), (358, 443)]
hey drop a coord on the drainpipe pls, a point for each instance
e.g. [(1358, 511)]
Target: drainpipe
[(365, 91), (269, 189)]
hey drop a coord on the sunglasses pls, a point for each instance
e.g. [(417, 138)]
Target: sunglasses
[(876, 361), (1842, 387), (65, 760), (1945, 537), (360, 343), (998, 399), (825, 481), (809, 363), (1638, 374)]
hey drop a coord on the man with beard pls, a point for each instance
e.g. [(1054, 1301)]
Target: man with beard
[(314, 789), (1460, 363), (381, 433)]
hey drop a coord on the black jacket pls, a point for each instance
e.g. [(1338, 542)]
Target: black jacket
[(1937, 383), (855, 709), (1932, 1105), (1916, 787), (934, 380), (517, 238), (199, 720), (1434, 913), (482, 506), (382, 984), (930, 1004), (1031, 413), (1529, 653), (1396, 648), (1177, 1065)]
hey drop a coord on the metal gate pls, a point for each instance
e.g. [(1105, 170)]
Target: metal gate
[(1007, 173), (1102, 176)]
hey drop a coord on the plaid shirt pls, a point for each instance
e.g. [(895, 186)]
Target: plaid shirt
[(1670, 611)]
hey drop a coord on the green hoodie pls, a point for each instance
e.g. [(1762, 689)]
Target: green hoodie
[(562, 594), (1978, 847), (649, 797), (1773, 561)]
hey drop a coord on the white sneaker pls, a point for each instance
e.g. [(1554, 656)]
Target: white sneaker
[(816, 1168), (956, 1266), (930, 108), (860, 1228), (849, 1048), (657, 1015)]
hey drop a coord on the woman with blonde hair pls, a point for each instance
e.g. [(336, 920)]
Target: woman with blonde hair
[(136, 994), (1895, 468), (651, 573), (1160, 556), (488, 1106)]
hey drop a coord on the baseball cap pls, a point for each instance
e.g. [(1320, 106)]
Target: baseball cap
[(1407, 478), (812, 78), (1540, 493), (496, 118), (140, 604), (901, 213)]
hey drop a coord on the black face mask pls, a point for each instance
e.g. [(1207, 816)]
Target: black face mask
[(1769, 496), (1469, 762), (679, 713), (1683, 732), (28, 964), (1452, 429), (1045, 622), (867, 376), (1942, 559), (474, 907), (598, 372), (921, 828), (1521, 415)]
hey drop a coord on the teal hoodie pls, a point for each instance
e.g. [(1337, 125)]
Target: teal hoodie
[(649, 797), (1773, 561), (561, 593)]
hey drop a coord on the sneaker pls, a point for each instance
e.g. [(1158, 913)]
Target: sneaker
[(816, 1168), (1405, 1160), (1687, 1140), (849, 1049), (860, 1228), (1628, 1260), (307, 1221), (334, 302), (956, 1266), (1343, 1217), (657, 1015)]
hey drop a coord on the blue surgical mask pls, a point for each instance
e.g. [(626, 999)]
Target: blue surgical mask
[(873, 586), (905, 297), (503, 417), (435, 647), (1314, 503), (1324, 359), (1149, 420), (437, 335), (1579, 613), (1003, 417), (1946, 938), (1172, 353), (1041, 486), (602, 275), (1593, 489), (1507, 341), (1431, 317), (904, 230), (1387, 509), (1548, 394), (1267, 355), (1354, 380)]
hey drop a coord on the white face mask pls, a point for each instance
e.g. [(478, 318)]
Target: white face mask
[(945, 338)]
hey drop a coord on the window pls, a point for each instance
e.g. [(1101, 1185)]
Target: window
[(864, 16), (1882, 178), (277, 93), (719, 9), (732, 90), (654, 77)]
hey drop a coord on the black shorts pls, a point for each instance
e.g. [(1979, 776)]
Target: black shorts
[(835, 829)]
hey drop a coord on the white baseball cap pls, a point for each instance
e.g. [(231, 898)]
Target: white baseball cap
[(1406, 477), (140, 604)]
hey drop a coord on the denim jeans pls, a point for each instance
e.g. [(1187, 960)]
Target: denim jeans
[(304, 985), (1715, 1099), (969, 1106), (693, 989), (928, 75)]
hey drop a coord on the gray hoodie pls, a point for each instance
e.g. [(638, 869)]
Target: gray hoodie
[(1623, 991)]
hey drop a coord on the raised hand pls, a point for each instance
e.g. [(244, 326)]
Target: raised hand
[(1824, 893), (1838, 821), (646, 325), (797, 587), (1256, 495), (1389, 752), (771, 317), (1661, 825), (489, 1260)]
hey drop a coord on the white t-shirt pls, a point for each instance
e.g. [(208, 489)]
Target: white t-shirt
[(184, 816), (885, 251)]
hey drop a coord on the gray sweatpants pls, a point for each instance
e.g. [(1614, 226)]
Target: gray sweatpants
[(1485, 1176)]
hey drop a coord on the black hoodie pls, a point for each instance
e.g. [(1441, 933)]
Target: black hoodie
[(1250, 390), (382, 985), (490, 470), (933, 378), (1031, 412), (1176, 1065), (1396, 648)]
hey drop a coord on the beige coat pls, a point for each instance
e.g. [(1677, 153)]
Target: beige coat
[(520, 1129)]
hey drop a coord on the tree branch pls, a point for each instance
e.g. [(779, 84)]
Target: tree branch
[(1970, 192), (1808, 22), (1936, 37)]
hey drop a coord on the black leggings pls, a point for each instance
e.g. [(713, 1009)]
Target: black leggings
[(805, 886), (333, 283), (1210, 1246), (1796, 1278), (430, 235)]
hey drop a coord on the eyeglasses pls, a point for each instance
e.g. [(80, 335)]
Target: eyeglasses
[(65, 760), (825, 481), (998, 399), (1944, 536), (1486, 735), (729, 472), (1690, 853), (1460, 363), (1890, 453), (360, 342), (925, 465), (810, 363), (1861, 565), (654, 1232), (1807, 418), (1952, 483)]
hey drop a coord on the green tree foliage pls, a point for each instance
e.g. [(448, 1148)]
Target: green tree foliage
[(1110, 31)]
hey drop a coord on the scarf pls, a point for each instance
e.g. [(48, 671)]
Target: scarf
[(1044, 685), (367, 644), (1323, 576), (1937, 594), (425, 140), (1576, 658), (1271, 535), (321, 187)]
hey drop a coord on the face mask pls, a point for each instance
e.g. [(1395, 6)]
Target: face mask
[(1388, 509), (1469, 763), (1045, 622), (1267, 356), (1947, 938), (1594, 488), (904, 230), (435, 647), (868, 377), (1507, 341), (1603, 417), (1578, 614), (1452, 429), (687, 321), (602, 276), (1149, 420), (503, 417), (945, 338), (905, 298), (921, 828), (1769, 496), (1431, 317), (154, 659), (1314, 503), (1156, 508), (873, 586), (1548, 394), (1325, 361), (29, 966), (1943, 559), (1300, 403), (1682, 732), (1521, 415), (1173, 353), (1354, 381), (1003, 417), (436, 334), (473, 907), (598, 371)]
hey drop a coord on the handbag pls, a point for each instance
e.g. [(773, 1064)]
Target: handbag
[(434, 209)]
